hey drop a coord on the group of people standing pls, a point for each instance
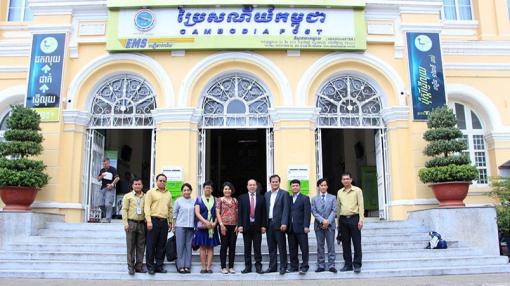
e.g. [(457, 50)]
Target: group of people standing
[(206, 222)]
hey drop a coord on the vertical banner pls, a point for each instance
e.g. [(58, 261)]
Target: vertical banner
[(45, 76), (426, 73), (300, 173), (174, 181)]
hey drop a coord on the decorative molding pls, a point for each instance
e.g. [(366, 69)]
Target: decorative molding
[(57, 205), (11, 95), (270, 67), (13, 26), (395, 113), (414, 202), (293, 114), (478, 66), (497, 136), (149, 63), (482, 105), (76, 117), (63, 7), (460, 28), (39, 29), (476, 48), (11, 69), (176, 114), (421, 27), (13, 49), (366, 58)]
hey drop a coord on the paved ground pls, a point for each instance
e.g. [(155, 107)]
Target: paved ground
[(460, 280)]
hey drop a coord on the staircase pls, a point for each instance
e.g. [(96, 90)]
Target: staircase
[(97, 251)]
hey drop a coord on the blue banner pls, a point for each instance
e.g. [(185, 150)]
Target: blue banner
[(45, 77), (426, 73)]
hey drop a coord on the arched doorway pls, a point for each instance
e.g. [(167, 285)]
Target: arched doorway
[(351, 137), (236, 138), (121, 128)]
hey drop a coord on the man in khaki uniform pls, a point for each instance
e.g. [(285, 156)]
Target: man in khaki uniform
[(133, 219), (159, 216), (350, 210)]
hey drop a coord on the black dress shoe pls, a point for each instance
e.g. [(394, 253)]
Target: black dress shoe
[(161, 270), (258, 269), (303, 271), (293, 270), (283, 271), (246, 270), (357, 269), (131, 271), (346, 268), (320, 269), (152, 272), (140, 270), (332, 269)]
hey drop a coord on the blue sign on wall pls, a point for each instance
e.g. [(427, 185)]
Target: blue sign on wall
[(45, 77), (426, 70)]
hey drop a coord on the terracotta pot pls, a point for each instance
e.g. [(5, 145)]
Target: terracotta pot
[(450, 194), (18, 198)]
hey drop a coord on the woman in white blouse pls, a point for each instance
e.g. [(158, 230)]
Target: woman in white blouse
[(184, 218)]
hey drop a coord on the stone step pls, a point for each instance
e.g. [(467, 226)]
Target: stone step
[(120, 246), (121, 256), (122, 275), (368, 264), (73, 238)]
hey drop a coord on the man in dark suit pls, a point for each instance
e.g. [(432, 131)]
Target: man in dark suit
[(251, 223), (299, 227), (277, 206)]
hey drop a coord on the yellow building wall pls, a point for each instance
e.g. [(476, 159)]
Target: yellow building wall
[(294, 141)]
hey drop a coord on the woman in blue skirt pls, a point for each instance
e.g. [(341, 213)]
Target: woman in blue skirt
[(206, 234)]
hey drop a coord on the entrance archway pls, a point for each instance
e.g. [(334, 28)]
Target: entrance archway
[(351, 137), (236, 138), (121, 128)]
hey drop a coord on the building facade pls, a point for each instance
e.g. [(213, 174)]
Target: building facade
[(220, 110)]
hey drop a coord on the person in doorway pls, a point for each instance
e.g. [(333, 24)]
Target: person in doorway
[(134, 224), (184, 228), (106, 195), (299, 227), (206, 234), (159, 215), (350, 210), (277, 202), (324, 211), (227, 208), (251, 222)]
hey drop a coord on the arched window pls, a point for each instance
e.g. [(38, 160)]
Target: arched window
[(472, 129), (236, 100), (349, 101), (123, 101)]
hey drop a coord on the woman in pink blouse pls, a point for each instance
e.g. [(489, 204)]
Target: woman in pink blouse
[(226, 208)]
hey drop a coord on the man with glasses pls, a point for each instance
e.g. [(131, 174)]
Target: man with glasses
[(158, 214)]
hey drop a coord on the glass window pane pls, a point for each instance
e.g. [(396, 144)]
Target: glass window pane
[(28, 14), (461, 116), (236, 107), (449, 10), (478, 142), (475, 121), (15, 10), (465, 10)]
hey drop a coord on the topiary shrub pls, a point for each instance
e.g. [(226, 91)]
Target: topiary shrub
[(22, 141), (445, 146)]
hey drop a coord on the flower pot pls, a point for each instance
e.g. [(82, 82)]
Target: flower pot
[(18, 198), (450, 194)]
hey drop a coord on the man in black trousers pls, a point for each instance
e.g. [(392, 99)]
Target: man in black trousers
[(299, 227), (277, 204), (251, 223)]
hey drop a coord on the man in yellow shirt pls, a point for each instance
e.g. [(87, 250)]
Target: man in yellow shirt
[(350, 211), (158, 214), (133, 219)]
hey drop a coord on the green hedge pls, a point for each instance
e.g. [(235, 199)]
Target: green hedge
[(448, 173)]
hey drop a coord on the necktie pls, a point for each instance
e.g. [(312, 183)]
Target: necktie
[(252, 206), (323, 202)]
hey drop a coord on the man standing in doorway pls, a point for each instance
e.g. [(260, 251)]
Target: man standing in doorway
[(158, 214), (277, 202), (299, 227), (324, 211), (106, 195), (351, 210), (251, 222), (133, 219)]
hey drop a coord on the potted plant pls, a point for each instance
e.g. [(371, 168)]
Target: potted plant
[(21, 177), (501, 191), (449, 172)]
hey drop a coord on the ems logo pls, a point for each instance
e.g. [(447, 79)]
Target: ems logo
[(144, 20)]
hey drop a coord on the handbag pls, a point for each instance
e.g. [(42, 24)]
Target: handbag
[(171, 249)]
